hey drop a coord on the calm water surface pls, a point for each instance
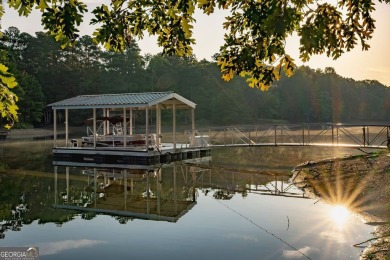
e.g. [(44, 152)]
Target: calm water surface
[(238, 205)]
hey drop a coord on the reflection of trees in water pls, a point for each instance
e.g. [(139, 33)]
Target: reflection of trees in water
[(14, 225), (88, 215), (223, 194), (123, 220), (26, 196), (16, 221)]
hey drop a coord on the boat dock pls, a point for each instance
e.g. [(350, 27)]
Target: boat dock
[(112, 139), (122, 157)]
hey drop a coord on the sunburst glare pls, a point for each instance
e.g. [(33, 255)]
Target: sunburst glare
[(339, 215)]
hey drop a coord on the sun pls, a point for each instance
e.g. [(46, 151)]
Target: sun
[(339, 215)]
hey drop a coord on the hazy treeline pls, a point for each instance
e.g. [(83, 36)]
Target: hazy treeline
[(46, 73)]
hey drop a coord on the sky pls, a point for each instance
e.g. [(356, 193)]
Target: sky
[(373, 64)]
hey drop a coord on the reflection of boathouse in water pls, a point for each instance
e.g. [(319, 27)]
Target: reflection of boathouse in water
[(126, 193), (113, 139)]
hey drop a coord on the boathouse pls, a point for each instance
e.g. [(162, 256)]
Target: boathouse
[(113, 141)]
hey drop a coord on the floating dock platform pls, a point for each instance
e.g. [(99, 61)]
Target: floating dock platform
[(123, 157)]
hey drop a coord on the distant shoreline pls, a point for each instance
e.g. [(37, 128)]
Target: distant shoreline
[(32, 134)]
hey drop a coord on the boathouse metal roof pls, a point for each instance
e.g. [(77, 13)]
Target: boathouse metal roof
[(134, 100)]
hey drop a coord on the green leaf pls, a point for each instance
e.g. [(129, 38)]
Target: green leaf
[(10, 81)]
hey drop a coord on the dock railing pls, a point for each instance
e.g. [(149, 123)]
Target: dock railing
[(200, 139), (326, 134)]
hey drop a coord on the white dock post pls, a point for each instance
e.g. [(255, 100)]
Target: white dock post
[(104, 124), (55, 127), (174, 126), (66, 127), (192, 127), (107, 123), (147, 194), (67, 184), (55, 185), (147, 128), (174, 189), (131, 121), (159, 191), (158, 125), (125, 187), (95, 184), (124, 127), (94, 128)]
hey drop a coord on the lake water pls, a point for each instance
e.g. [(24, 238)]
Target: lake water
[(236, 205)]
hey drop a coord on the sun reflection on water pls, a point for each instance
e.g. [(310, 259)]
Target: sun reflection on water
[(339, 215)]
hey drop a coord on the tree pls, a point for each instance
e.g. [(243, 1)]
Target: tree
[(8, 107), (44, 58), (257, 30), (29, 91), (31, 99), (254, 45), (8, 98), (61, 19)]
